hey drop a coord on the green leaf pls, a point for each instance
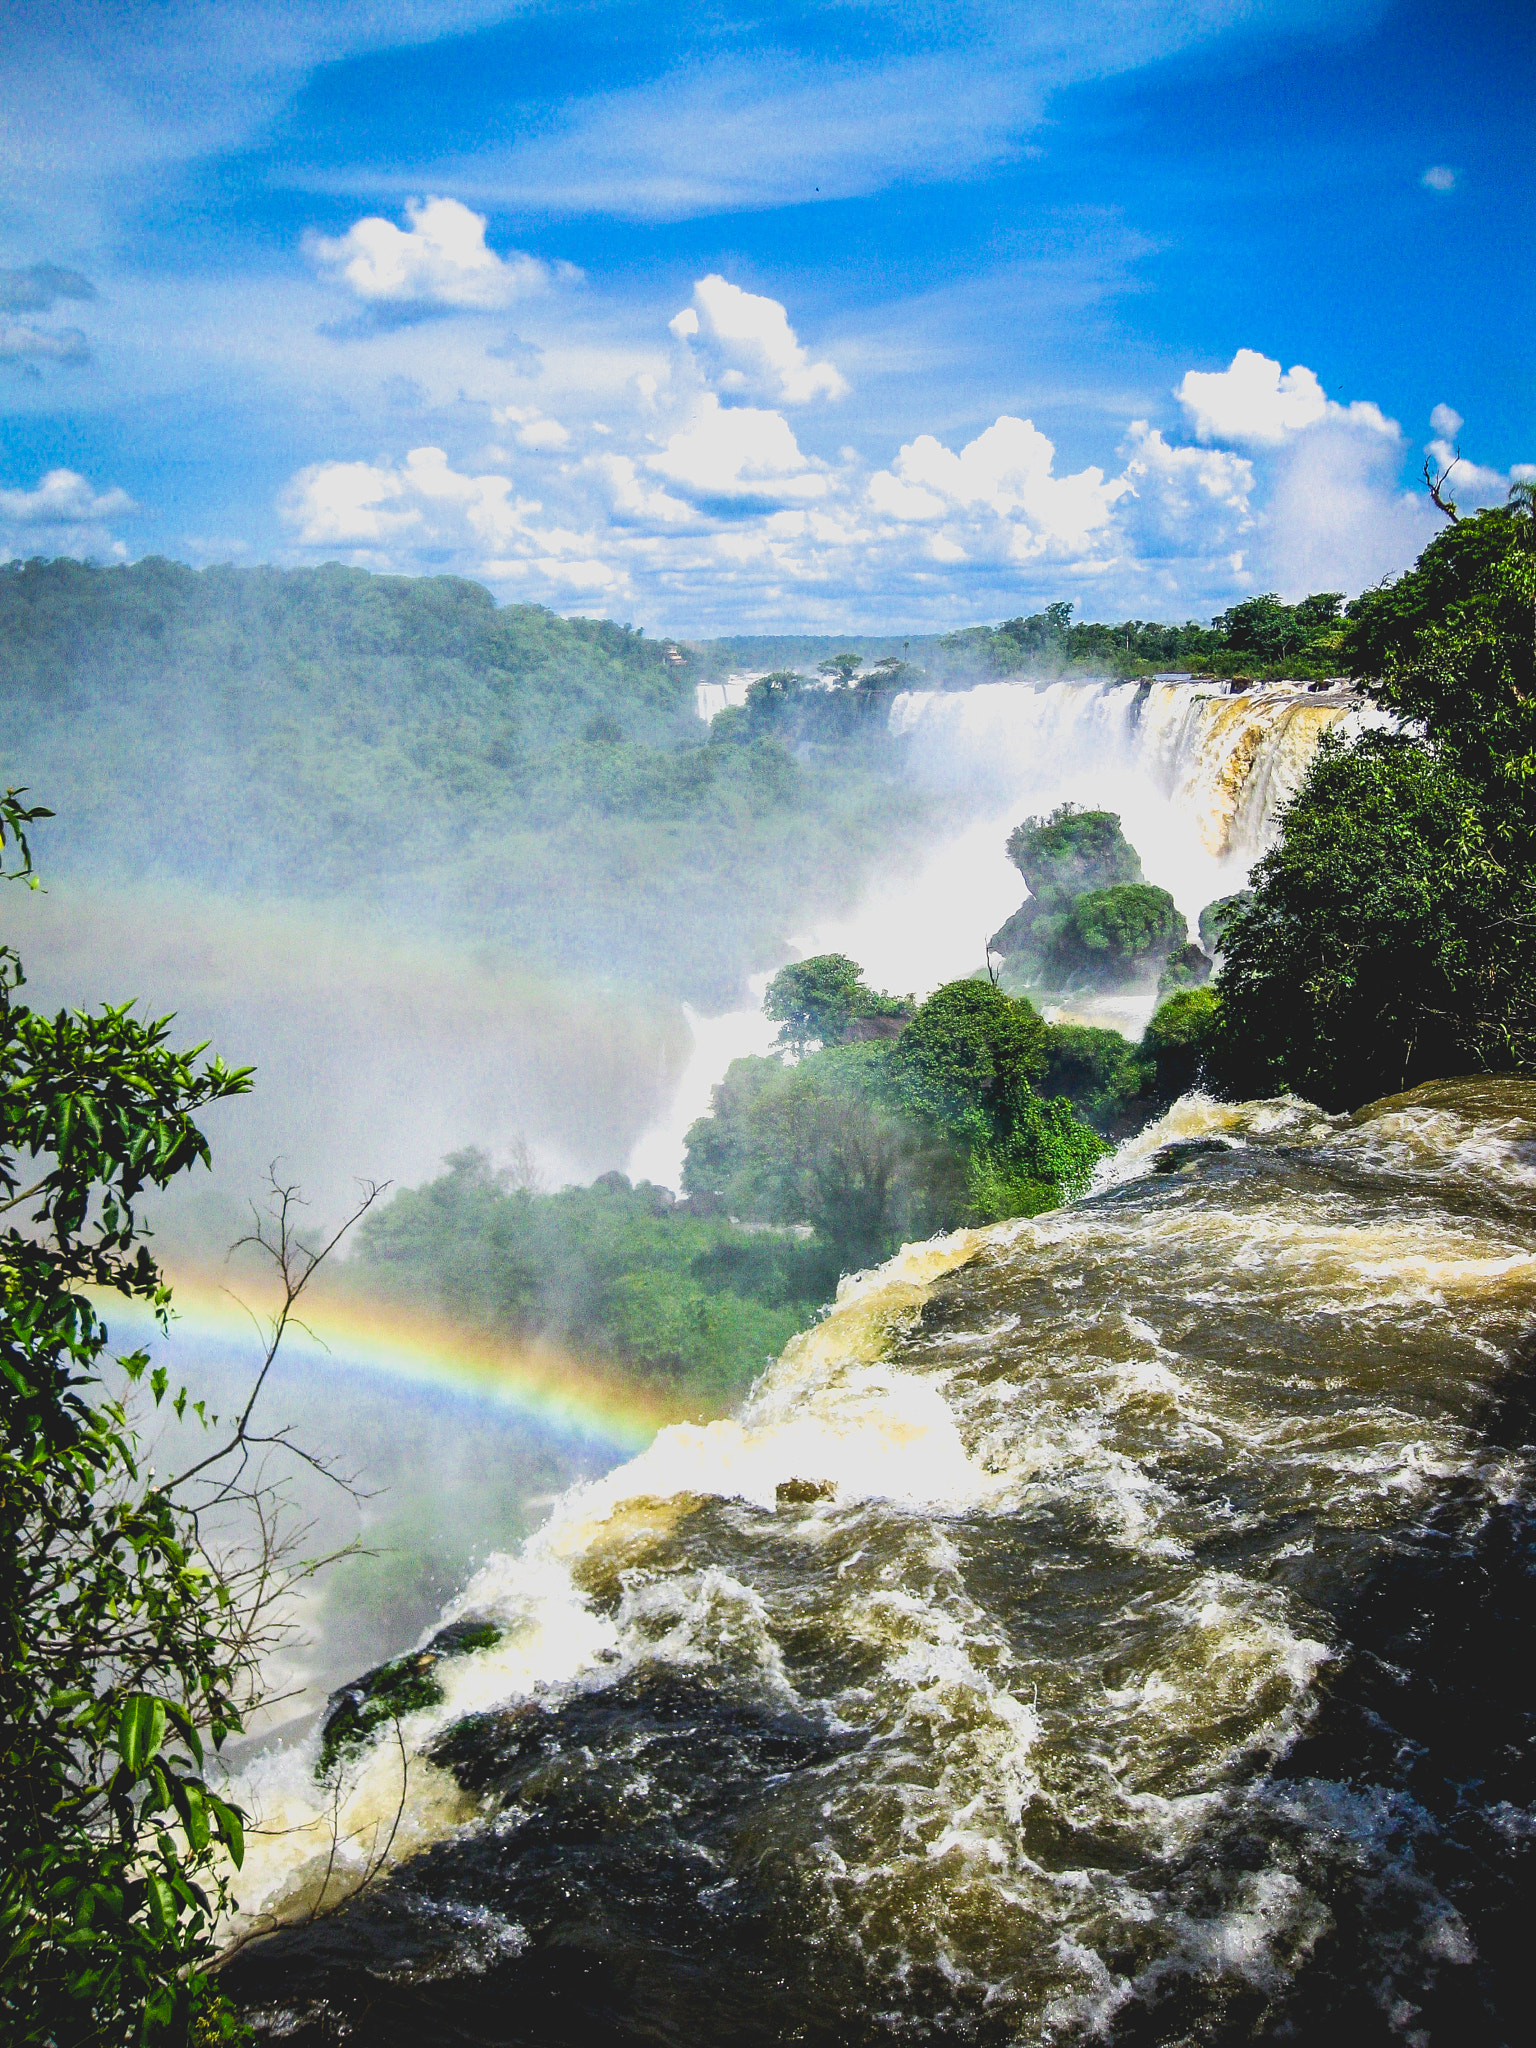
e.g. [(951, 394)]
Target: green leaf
[(140, 1731), (195, 1819), (161, 1901), (231, 1828)]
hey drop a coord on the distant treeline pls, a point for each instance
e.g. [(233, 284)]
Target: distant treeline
[(404, 740), (1261, 638)]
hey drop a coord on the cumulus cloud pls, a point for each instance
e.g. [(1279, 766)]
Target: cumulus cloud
[(1336, 517), (425, 511), (739, 454), (747, 349), (65, 515), (1467, 483), (699, 508), (1440, 178), (1008, 474), (39, 287), (1256, 404), (532, 429), (63, 498), (1191, 504), (440, 259)]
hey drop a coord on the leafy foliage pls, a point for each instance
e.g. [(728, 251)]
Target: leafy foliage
[(1390, 938), (877, 1141), (120, 1647), (684, 1299), (322, 731), (1113, 932), (1177, 1045), (822, 1000), (1383, 945), (1090, 917), (1259, 638), (1072, 851), (1213, 919)]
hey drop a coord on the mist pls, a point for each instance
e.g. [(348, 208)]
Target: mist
[(489, 900)]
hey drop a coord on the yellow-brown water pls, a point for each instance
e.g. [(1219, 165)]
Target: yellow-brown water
[(1102, 1626)]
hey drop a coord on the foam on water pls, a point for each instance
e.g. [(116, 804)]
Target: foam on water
[(1039, 1547)]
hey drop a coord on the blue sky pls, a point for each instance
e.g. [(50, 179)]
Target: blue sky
[(899, 315)]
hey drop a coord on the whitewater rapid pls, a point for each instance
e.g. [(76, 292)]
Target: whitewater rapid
[(973, 1682), (1199, 778)]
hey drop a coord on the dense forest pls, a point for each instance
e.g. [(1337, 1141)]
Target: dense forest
[(406, 743), (1262, 638)]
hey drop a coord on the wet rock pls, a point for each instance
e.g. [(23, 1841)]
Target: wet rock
[(403, 1686), (794, 1493), (1174, 1158)]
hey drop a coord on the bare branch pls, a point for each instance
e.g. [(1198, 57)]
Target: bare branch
[(1435, 481), (296, 1265)]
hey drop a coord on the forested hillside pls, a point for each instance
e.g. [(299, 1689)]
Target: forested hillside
[(323, 732)]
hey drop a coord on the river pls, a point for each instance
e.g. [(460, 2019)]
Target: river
[(1108, 1626)]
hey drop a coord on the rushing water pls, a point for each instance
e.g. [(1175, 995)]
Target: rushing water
[(1105, 1626), (1199, 779)]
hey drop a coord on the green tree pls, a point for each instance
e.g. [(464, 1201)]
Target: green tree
[(1213, 919), (840, 668), (1390, 938), (1384, 945), (1456, 651), (1099, 1072), (1071, 851), (1177, 1043), (967, 1060), (966, 1064), (121, 1646), (1112, 933), (826, 1146), (818, 1001)]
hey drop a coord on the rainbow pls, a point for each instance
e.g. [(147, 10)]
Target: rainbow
[(340, 1331)]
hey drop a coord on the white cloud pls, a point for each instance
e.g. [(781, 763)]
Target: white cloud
[(634, 502), (739, 452), (424, 512), (1336, 517), (1190, 504), (531, 429), (747, 349), (1468, 483), (441, 259), (700, 514), (1009, 472), (1440, 178), (1446, 422), (1255, 404), (22, 344), (63, 516), (63, 498)]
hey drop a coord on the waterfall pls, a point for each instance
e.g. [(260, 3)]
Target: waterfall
[(1223, 766), (1199, 779)]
